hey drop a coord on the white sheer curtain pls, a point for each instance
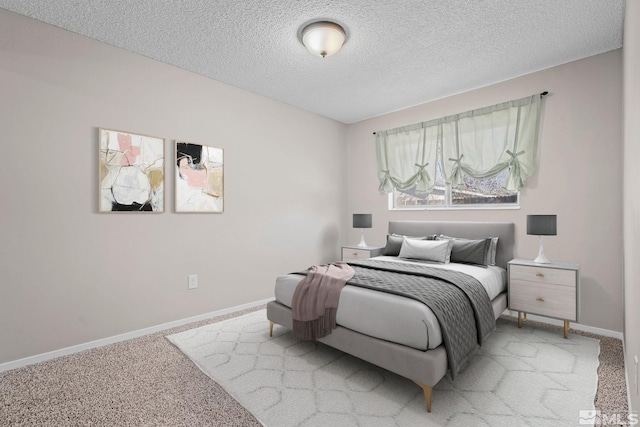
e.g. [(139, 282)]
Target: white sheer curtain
[(480, 143), (406, 157)]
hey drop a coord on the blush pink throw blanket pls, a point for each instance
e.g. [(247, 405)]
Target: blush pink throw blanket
[(315, 300)]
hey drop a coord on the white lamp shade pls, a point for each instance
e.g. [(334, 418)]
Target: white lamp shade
[(323, 38)]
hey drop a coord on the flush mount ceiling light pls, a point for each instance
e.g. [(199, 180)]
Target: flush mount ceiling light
[(323, 38)]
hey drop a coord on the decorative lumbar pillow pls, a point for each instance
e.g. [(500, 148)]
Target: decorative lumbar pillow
[(394, 243), (428, 250)]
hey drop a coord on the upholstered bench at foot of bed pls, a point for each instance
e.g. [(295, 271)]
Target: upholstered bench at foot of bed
[(425, 368)]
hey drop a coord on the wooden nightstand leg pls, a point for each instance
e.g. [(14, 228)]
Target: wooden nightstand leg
[(519, 319), (566, 329), (525, 316)]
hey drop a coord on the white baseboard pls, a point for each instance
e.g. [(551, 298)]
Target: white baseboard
[(123, 337), (576, 326), (146, 331)]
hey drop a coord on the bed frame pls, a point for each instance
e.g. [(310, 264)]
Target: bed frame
[(425, 368)]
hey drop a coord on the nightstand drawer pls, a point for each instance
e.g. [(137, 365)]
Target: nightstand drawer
[(543, 298), (543, 275), (352, 253)]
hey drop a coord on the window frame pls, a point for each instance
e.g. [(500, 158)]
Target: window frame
[(450, 207)]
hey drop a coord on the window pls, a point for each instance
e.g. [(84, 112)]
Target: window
[(474, 193), (476, 159)]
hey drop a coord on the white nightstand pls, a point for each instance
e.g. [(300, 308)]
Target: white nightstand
[(551, 290), (359, 252)]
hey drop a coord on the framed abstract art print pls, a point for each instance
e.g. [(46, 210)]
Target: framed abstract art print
[(199, 178), (131, 172)]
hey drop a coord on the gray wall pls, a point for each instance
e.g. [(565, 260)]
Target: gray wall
[(632, 193), (579, 176), (70, 275)]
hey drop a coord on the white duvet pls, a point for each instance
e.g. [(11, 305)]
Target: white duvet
[(392, 317)]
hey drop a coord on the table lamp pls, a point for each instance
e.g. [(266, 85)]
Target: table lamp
[(362, 221), (541, 225)]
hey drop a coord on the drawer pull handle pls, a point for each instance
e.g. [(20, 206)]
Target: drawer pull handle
[(539, 274), (540, 299)]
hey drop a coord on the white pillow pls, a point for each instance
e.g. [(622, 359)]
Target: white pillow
[(492, 254), (428, 250)]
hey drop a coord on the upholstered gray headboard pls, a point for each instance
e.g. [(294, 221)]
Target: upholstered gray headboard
[(466, 229)]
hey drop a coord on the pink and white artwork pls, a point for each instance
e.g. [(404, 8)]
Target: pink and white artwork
[(131, 169), (199, 178)]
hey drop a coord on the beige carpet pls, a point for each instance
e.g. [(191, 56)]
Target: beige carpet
[(148, 381)]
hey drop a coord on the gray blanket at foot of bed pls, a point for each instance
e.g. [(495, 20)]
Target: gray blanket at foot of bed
[(458, 300)]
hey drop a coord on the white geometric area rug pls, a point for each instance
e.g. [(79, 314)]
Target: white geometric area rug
[(520, 377)]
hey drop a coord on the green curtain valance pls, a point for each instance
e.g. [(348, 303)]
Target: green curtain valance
[(481, 143)]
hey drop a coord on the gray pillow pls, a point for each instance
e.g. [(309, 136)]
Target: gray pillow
[(394, 243), (467, 251), (470, 251)]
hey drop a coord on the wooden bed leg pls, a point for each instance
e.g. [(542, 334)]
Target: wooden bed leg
[(428, 391), (270, 328)]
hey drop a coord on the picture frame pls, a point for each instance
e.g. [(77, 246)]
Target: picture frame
[(131, 172), (199, 178)]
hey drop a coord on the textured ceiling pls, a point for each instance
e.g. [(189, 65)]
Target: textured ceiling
[(397, 54)]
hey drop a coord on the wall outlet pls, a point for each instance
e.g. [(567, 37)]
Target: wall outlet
[(193, 281)]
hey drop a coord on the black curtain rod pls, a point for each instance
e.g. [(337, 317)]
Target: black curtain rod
[(542, 94)]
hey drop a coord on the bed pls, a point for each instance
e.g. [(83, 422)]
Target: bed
[(397, 333)]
